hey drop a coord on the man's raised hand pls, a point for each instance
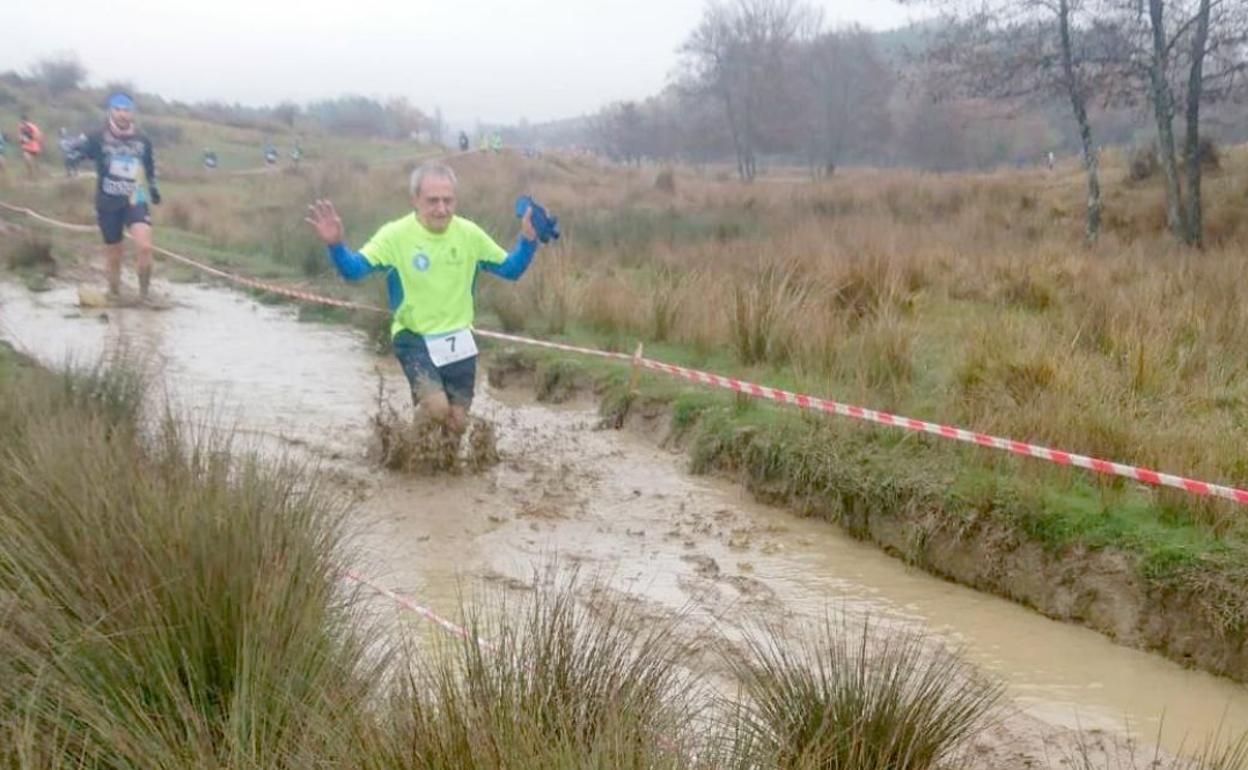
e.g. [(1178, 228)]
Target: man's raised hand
[(526, 225), (325, 220)]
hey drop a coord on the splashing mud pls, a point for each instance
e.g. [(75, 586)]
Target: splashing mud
[(546, 481), (421, 447), (417, 445)]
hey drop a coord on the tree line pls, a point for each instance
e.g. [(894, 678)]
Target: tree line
[(63, 78), (984, 82)]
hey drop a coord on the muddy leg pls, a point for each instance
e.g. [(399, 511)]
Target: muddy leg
[(457, 421), (112, 268), (435, 408), (142, 235)]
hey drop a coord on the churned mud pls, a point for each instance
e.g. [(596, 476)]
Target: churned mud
[(547, 483), (406, 442)]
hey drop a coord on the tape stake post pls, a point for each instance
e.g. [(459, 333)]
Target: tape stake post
[(635, 377), (744, 388)]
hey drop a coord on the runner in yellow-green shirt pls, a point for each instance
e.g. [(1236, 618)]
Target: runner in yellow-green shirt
[(431, 259)]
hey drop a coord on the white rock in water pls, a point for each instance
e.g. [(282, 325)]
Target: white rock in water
[(89, 296)]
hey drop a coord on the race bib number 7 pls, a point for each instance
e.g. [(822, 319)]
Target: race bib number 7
[(451, 347)]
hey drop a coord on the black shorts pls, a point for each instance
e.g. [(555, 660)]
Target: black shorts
[(457, 380), (115, 221)]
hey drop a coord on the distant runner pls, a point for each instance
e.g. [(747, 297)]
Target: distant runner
[(210, 159), (4, 150), (296, 153), (126, 182), (270, 154), (463, 141), (431, 259), (30, 139)]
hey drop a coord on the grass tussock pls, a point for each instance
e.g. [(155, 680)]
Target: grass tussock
[(856, 697), (1219, 752), (30, 256), (162, 605), (562, 684), (28, 251)]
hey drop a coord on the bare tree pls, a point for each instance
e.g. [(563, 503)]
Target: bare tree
[(1189, 52), (1077, 93), (846, 97), (620, 129), (740, 55), (1195, 227), (1163, 110), (1025, 51)]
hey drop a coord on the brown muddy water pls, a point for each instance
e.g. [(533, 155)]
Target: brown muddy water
[(610, 502)]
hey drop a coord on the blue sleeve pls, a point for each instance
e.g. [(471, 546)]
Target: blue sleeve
[(351, 265), (516, 262)]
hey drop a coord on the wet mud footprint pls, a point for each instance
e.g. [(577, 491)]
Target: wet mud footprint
[(711, 589)]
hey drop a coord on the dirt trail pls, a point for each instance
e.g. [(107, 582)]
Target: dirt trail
[(613, 503)]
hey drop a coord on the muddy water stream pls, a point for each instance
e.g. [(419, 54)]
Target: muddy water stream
[(607, 500)]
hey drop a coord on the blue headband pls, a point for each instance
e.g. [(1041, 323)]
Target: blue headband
[(120, 102)]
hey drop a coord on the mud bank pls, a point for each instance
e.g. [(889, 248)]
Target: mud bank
[(1196, 617)]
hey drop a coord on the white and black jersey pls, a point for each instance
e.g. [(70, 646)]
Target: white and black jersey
[(124, 167)]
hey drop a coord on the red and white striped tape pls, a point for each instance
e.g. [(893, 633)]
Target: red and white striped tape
[(1057, 456), (552, 345), (421, 610), (273, 288), (46, 219), (1143, 475)]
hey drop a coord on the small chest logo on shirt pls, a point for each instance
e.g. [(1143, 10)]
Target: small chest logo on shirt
[(421, 261)]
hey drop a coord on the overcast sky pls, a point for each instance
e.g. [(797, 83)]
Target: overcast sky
[(494, 60)]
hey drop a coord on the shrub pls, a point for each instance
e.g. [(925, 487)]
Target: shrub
[(1142, 162), (665, 181), (1210, 154), (30, 252)]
